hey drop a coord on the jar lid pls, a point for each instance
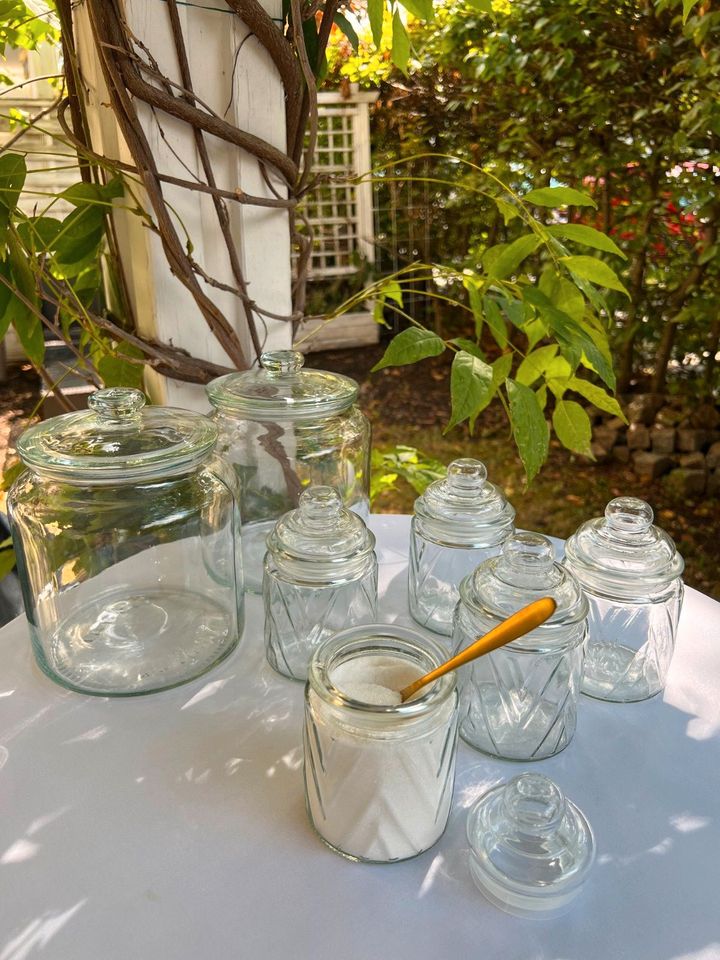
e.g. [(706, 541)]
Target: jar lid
[(464, 508), (531, 848), (118, 438), (523, 572), (623, 552), (282, 389), (321, 540)]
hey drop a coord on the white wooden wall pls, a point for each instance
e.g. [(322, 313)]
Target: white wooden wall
[(249, 88)]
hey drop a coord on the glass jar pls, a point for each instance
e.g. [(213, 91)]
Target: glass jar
[(281, 429), (631, 573), (520, 701), (320, 576), (378, 775), (127, 537), (458, 522)]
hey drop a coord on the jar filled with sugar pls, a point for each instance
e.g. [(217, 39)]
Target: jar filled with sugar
[(379, 773), (458, 522)]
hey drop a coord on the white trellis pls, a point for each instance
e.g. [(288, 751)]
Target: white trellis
[(341, 213)]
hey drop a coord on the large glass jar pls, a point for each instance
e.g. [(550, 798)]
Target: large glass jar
[(281, 429), (459, 521), (630, 571), (520, 701), (320, 577), (379, 774), (127, 537)]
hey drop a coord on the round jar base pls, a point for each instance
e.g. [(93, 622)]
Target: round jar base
[(618, 674), (355, 858), (122, 643), (519, 759)]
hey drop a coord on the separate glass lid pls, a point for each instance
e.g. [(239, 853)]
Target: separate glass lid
[(525, 571), (321, 539), (118, 438), (464, 507), (531, 848), (624, 551), (281, 389)]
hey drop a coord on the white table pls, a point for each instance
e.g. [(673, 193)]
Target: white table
[(173, 826)]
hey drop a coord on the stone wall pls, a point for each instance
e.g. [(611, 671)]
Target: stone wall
[(665, 437)]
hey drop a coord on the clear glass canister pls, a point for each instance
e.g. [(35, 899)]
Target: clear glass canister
[(458, 522), (320, 576), (631, 573), (127, 536), (520, 701), (379, 774), (281, 429)]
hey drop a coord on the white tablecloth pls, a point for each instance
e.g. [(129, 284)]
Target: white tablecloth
[(173, 826)]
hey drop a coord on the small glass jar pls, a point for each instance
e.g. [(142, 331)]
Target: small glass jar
[(320, 576), (379, 778), (631, 573), (458, 522), (520, 701), (127, 537), (281, 429)]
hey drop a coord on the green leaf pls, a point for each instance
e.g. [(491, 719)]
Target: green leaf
[(534, 364), (410, 346), (506, 210), (348, 29), (559, 197), (496, 321), (422, 9), (400, 51), (503, 260), (11, 474), (595, 271), (118, 372), (469, 346), (534, 330), (471, 387), (541, 394), (501, 368), (12, 177), (80, 235), (38, 233), (82, 194), (588, 236), (687, 9), (572, 426), (597, 396), (562, 293), (392, 290), (376, 9), (529, 427)]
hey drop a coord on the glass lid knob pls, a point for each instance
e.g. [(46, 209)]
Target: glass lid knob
[(117, 404), (534, 804), (280, 363), (320, 505), (529, 552), (466, 477), (628, 515)]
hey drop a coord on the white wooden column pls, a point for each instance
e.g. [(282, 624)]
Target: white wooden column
[(233, 74)]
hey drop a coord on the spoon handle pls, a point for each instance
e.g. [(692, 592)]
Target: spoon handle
[(516, 625)]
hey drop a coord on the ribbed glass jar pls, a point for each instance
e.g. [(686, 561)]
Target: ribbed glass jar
[(379, 778), (128, 543), (320, 576), (631, 573), (458, 522), (520, 701), (283, 428)]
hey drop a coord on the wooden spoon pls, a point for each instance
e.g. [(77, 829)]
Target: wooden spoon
[(515, 626)]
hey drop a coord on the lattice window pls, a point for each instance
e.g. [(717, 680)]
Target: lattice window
[(340, 212)]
